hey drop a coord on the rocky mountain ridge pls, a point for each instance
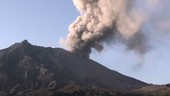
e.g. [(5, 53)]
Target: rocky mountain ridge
[(28, 67)]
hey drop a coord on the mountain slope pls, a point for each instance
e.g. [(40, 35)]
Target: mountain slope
[(24, 66)]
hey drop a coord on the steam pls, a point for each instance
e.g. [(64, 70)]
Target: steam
[(107, 21)]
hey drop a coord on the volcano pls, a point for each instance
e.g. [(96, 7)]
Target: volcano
[(24, 66)]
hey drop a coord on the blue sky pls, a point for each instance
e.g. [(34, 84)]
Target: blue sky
[(40, 21), (45, 22)]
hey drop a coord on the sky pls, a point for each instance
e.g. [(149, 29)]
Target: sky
[(45, 22)]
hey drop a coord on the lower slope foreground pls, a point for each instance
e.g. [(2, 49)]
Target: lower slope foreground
[(27, 67)]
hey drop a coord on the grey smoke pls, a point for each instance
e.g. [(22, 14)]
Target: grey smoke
[(106, 20)]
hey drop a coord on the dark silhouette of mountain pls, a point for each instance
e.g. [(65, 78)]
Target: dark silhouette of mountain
[(25, 67)]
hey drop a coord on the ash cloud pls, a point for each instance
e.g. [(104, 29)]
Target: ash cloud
[(102, 20)]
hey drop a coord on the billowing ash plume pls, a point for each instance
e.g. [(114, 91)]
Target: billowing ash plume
[(105, 20)]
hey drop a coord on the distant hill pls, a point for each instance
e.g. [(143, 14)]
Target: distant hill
[(26, 68)]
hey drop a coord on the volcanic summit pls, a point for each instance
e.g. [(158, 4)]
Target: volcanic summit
[(24, 66)]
